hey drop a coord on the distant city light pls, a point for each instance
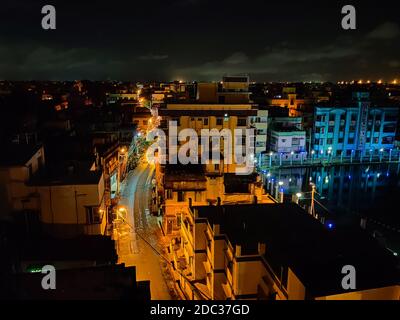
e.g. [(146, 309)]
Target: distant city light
[(330, 225)]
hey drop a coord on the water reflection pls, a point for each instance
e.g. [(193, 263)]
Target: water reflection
[(347, 192)]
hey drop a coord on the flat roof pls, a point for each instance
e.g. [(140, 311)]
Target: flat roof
[(18, 154), (79, 177), (295, 239)]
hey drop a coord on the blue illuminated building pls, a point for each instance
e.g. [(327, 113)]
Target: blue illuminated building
[(356, 128)]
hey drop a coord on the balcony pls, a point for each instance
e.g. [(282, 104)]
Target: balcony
[(227, 290)]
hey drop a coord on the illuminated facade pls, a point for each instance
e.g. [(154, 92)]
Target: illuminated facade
[(360, 128)]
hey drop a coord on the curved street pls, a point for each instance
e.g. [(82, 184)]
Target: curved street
[(139, 238)]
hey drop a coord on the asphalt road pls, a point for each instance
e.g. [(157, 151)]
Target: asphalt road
[(132, 249)]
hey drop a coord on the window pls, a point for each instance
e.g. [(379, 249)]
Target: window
[(93, 215), (181, 196), (329, 141), (221, 99), (376, 140), (205, 121), (350, 140), (216, 167), (389, 128), (340, 140), (283, 140), (387, 140), (331, 129), (352, 128), (295, 141), (219, 121), (169, 194), (242, 122), (191, 119), (197, 196), (317, 141), (332, 117)]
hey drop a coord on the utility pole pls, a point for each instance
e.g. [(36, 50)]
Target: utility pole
[(312, 208)]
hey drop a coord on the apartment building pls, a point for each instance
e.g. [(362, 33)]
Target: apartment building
[(286, 136), (202, 183), (359, 127), (72, 203), (18, 165), (289, 99), (279, 252)]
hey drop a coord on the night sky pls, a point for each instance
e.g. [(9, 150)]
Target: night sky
[(199, 40)]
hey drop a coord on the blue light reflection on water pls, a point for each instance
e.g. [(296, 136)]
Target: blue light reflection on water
[(349, 191)]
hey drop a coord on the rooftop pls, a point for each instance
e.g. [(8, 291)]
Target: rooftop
[(61, 178), (294, 239), (18, 154)]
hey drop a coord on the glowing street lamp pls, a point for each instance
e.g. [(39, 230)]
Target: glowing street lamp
[(299, 195)]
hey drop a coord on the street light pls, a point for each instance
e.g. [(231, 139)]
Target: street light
[(390, 155), (312, 156), (278, 185), (280, 192), (298, 197), (291, 158), (381, 154)]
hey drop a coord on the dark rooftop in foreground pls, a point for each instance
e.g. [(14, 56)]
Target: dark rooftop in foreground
[(114, 282), (294, 239), (63, 178), (18, 154)]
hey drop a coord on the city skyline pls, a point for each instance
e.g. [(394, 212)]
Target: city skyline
[(199, 40)]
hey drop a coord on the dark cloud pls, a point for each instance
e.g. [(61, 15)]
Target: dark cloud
[(198, 39)]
